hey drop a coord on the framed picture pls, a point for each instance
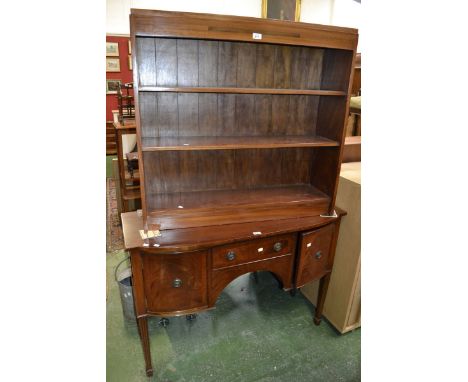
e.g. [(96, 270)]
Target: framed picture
[(129, 62), (112, 65), (112, 49), (281, 9), (129, 47), (112, 86)]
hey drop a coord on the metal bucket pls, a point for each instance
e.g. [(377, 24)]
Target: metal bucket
[(124, 279)]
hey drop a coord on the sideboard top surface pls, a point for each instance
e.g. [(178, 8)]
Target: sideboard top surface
[(197, 238)]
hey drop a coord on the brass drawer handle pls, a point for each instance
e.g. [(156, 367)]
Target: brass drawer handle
[(231, 255), (177, 283), (318, 255), (278, 247)]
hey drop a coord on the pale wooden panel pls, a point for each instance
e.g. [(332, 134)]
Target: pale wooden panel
[(343, 303)]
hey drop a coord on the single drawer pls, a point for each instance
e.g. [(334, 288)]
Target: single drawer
[(175, 282), (253, 250), (314, 256)]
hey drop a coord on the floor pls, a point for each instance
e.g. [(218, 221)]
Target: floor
[(256, 333)]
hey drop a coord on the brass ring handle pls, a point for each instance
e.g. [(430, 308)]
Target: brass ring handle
[(177, 283), (318, 255), (278, 247), (231, 255)]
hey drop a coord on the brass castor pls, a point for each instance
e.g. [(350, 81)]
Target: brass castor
[(163, 322), (191, 317), (149, 372), (292, 292), (317, 321)]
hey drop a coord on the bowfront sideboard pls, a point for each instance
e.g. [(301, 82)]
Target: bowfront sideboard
[(240, 132)]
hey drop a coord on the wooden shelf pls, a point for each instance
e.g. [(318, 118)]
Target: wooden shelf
[(235, 90), (217, 207), (131, 194), (223, 143), (129, 124)]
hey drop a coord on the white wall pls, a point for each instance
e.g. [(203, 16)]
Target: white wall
[(346, 13), (118, 10), (317, 11)]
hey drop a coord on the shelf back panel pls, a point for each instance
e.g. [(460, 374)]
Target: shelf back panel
[(184, 171), (171, 62), (331, 116), (336, 69), (207, 114)]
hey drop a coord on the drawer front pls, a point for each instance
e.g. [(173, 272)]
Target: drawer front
[(314, 255), (253, 250), (175, 282)]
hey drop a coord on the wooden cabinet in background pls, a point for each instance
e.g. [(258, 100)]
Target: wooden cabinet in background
[(240, 132), (111, 148), (129, 178)]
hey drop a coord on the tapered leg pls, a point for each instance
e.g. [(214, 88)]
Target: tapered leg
[(143, 330), (322, 293)]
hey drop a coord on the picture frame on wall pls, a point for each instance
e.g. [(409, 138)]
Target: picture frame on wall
[(281, 9), (129, 62), (112, 86), (129, 47), (112, 49), (112, 65)]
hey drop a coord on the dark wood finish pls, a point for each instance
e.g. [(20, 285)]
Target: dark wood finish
[(143, 331), (314, 257), (239, 146), (163, 295), (239, 90), (140, 307), (196, 114), (199, 238), (179, 171), (251, 251), (322, 292), (217, 207), (224, 143), (154, 23)]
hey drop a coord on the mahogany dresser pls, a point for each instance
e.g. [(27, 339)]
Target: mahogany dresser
[(240, 132)]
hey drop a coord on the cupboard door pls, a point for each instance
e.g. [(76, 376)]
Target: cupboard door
[(314, 256), (176, 282)]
